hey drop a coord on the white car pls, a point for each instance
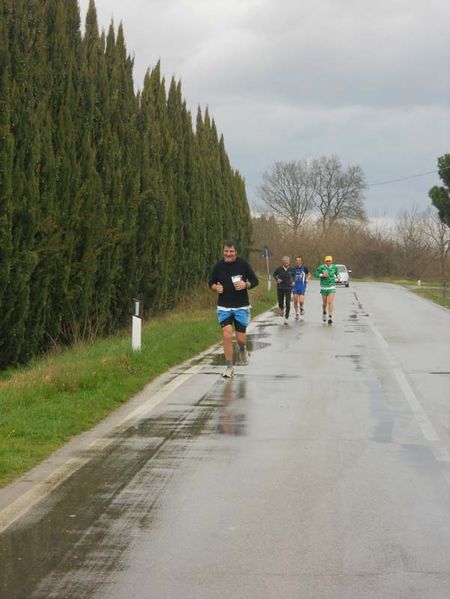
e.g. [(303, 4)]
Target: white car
[(343, 277)]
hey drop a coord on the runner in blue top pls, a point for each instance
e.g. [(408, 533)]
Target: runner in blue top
[(301, 277)]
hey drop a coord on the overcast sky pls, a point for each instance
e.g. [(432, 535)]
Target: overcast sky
[(290, 79)]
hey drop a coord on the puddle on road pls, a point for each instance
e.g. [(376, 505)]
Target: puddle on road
[(358, 303), (252, 346), (88, 522), (355, 358), (356, 328), (382, 432), (68, 544), (231, 418)]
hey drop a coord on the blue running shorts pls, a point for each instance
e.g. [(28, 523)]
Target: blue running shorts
[(299, 289), (240, 317)]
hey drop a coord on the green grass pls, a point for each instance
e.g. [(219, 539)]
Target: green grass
[(431, 290), (435, 295), (44, 404)]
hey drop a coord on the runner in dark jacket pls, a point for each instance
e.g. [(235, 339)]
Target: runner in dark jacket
[(231, 278), (284, 276)]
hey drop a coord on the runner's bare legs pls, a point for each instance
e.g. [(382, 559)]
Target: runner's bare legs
[(330, 302), (324, 304), (296, 303), (227, 332)]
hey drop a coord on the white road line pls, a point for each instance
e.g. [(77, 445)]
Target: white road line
[(438, 448), (30, 498)]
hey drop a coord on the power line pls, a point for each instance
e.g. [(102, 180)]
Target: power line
[(406, 178)]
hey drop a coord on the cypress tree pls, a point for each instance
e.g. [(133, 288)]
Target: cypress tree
[(90, 225), (47, 241), (210, 165), (193, 232), (126, 108), (179, 281), (229, 206), (151, 194), (10, 107), (205, 209), (25, 183), (64, 57), (165, 207), (6, 150), (95, 248), (101, 189), (110, 259)]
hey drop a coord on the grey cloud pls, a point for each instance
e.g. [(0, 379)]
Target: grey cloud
[(294, 79), (305, 58)]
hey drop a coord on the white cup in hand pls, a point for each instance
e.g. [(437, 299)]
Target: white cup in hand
[(237, 279)]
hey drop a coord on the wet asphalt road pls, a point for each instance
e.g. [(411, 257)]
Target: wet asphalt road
[(321, 471)]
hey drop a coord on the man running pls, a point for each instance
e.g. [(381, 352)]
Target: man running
[(284, 276), (327, 274), (231, 278), (301, 277)]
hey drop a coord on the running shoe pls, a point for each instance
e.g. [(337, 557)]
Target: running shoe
[(228, 374), (302, 311), (243, 355), (324, 317), (330, 320), (285, 321), (296, 316)]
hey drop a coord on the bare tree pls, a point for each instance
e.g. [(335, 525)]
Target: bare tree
[(339, 193), (438, 232), (287, 189), (413, 244)]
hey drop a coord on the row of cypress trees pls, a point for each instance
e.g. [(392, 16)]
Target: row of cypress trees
[(105, 192)]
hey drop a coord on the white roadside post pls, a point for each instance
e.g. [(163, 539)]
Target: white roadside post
[(269, 278), (265, 254), (136, 327)]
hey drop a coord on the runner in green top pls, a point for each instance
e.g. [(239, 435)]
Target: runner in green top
[(327, 274)]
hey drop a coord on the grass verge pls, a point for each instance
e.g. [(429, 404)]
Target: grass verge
[(44, 404), (435, 295)]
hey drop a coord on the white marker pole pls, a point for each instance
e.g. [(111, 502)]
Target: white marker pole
[(136, 327), (269, 279)]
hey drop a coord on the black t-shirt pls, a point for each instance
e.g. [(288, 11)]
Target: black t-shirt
[(223, 273)]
